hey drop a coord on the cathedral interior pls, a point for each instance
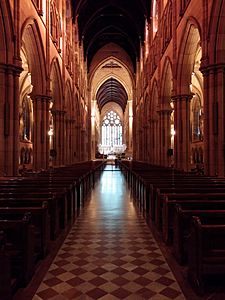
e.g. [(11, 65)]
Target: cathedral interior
[(112, 153)]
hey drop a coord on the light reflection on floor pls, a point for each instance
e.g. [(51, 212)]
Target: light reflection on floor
[(110, 253)]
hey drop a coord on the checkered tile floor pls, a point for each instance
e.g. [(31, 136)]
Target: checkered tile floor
[(109, 253)]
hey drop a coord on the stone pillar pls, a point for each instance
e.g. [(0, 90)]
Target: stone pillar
[(140, 144), (165, 136), (69, 149), (153, 141), (150, 141), (214, 119), (83, 144), (145, 143), (182, 129), (77, 143), (9, 117), (58, 136), (40, 130), (72, 136), (67, 142)]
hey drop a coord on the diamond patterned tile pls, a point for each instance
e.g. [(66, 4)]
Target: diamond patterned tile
[(109, 253)]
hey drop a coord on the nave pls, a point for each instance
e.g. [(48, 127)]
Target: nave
[(110, 253)]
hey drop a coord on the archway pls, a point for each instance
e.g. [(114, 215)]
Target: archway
[(111, 85), (56, 114), (197, 106), (154, 125), (10, 68), (190, 53), (26, 119), (166, 115), (34, 100)]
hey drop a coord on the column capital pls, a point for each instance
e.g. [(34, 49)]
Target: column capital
[(58, 112), (40, 97), (212, 69), (165, 111), (182, 97), (10, 68)]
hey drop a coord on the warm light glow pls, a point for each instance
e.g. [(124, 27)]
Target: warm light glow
[(155, 17), (50, 132), (173, 132), (146, 40)]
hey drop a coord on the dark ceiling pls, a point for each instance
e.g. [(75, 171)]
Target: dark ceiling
[(112, 91), (104, 21), (111, 21)]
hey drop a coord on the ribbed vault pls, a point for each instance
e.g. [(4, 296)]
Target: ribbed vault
[(121, 22), (112, 91)]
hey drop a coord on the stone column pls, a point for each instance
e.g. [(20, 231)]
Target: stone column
[(182, 129), (69, 149), (140, 144), (67, 141), (150, 141), (40, 131), (153, 141), (214, 119), (145, 142), (165, 136), (83, 144), (58, 136), (77, 143), (9, 117)]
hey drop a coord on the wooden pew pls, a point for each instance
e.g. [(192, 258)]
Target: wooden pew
[(180, 185), (54, 211), (22, 193), (187, 201), (7, 284), (206, 252), (19, 247), (182, 222), (40, 219), (196, 192)]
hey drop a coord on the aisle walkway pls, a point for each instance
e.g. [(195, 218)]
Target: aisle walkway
[(110, 252)]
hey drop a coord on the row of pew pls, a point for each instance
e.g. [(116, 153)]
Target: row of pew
[(35, 209), (188, 212)]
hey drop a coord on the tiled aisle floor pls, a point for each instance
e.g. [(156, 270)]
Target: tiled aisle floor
[(110, 253)]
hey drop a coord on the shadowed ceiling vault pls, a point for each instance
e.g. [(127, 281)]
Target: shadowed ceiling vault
[(112, 91), (101, 22)]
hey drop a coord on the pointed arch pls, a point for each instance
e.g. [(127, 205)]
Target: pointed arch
[(77, 109), (6, 33), (188, 47), (154, 104), (146, 105), (56, 85), (216, 34), (32, 43), (68, 104), (166, 83)]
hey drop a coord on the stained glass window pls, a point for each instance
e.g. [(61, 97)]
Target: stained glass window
[(111, 130)]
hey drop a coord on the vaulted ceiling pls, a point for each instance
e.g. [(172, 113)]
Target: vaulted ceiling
[(112, 91), (118, 21)]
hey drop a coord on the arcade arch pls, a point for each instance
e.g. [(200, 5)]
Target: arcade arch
[(111, 86)]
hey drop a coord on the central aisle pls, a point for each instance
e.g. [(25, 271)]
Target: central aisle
[(110, 252)]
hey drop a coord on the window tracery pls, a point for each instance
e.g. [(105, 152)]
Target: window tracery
[(26, 119), (155, 16), (111, 130), (55, 25), (167, 25)]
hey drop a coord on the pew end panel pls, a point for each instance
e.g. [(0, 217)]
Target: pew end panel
[(206, 253)]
